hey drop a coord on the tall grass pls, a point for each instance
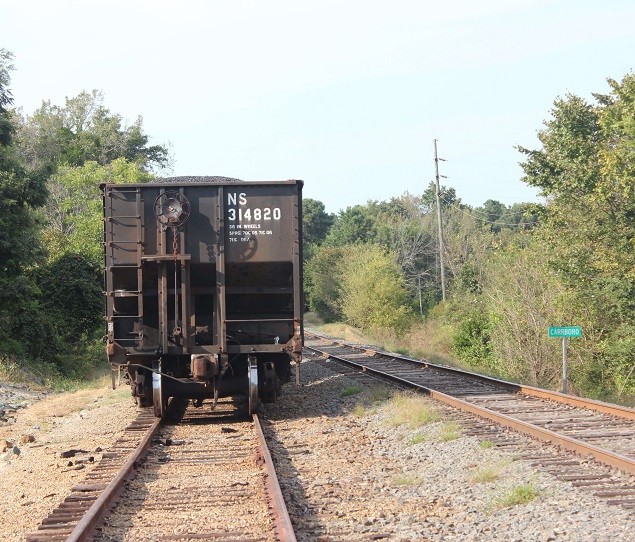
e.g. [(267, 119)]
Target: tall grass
[(521, 494), (85, 368), (411, 411), (489, 473)]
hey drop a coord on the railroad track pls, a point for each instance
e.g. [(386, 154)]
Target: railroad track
[(588, 429), (201, 474)]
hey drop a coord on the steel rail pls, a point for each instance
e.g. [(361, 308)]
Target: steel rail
[(95, 513), (571, 400), (607, 457), (282, 521)]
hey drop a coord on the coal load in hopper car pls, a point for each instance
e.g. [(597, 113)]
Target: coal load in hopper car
[(203, 280)]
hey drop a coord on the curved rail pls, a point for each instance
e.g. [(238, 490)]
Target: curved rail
[(608, 457)]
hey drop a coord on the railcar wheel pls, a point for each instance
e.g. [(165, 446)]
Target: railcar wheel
[(159, 399), (252, 374)]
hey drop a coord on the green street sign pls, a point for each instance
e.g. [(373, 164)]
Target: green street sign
[(565, 332)]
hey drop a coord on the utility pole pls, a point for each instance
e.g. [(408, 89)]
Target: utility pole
[(438, 194)]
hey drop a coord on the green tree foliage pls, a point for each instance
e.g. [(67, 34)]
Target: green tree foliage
[(20, 249), (73, 211), (21, 190), (586, 169), (323, 275), (522, 299), (84, 130), (6, 99), (492, 211), (472, 339), (446, 195), (316, 222), (406, 228), (354, 225), (50, 219), (360, 284), (520, 217), (373, 293), (464, 241), (498, 216), (74, 301)]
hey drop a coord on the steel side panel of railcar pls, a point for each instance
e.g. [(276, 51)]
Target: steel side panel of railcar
[(231, 273)]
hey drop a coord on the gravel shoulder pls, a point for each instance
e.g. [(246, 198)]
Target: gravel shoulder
[(347, 472), (36, 431)]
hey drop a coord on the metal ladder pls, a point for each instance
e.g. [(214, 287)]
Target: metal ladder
[(110, 264)]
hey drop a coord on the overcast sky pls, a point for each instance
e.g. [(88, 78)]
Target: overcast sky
[(346, 95)]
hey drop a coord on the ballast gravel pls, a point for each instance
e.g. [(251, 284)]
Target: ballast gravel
[(346, 471), (48, 444)]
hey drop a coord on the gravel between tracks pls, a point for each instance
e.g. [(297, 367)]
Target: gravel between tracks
[(347, 474)]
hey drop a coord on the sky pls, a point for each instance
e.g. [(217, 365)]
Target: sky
[(346, 95)]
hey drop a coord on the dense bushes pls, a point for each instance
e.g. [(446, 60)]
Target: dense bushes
[(72, 297), (361, 284), (472, 340)]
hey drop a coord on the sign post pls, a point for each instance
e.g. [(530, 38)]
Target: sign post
[(564, 333)]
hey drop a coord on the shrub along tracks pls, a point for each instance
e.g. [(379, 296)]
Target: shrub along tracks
[(588, 429)]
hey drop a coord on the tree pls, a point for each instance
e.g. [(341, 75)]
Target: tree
[(85, 130), (519, 217), (361, 285), (407, 229), (446, 195), (74, 223), (522, 299), (586, 169), (323, 276), (6, 99), (373, 293), (354, 225), (316, 222), (22, 191), (74, 297), (83, 144), (467, 246)]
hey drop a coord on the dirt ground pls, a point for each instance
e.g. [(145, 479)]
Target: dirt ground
[(37, 428)]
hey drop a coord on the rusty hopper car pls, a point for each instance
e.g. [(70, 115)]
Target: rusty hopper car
[(203, 281)]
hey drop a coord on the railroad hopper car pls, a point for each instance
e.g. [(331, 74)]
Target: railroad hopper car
[(203, 281)]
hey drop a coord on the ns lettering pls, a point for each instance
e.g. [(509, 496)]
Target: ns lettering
[(232, 198)]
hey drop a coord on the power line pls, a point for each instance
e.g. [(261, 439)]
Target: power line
[(506, 164), (508, 146), (485, 180), (474, 212)]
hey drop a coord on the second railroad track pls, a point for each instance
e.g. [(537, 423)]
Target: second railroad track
[(590, 429)]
